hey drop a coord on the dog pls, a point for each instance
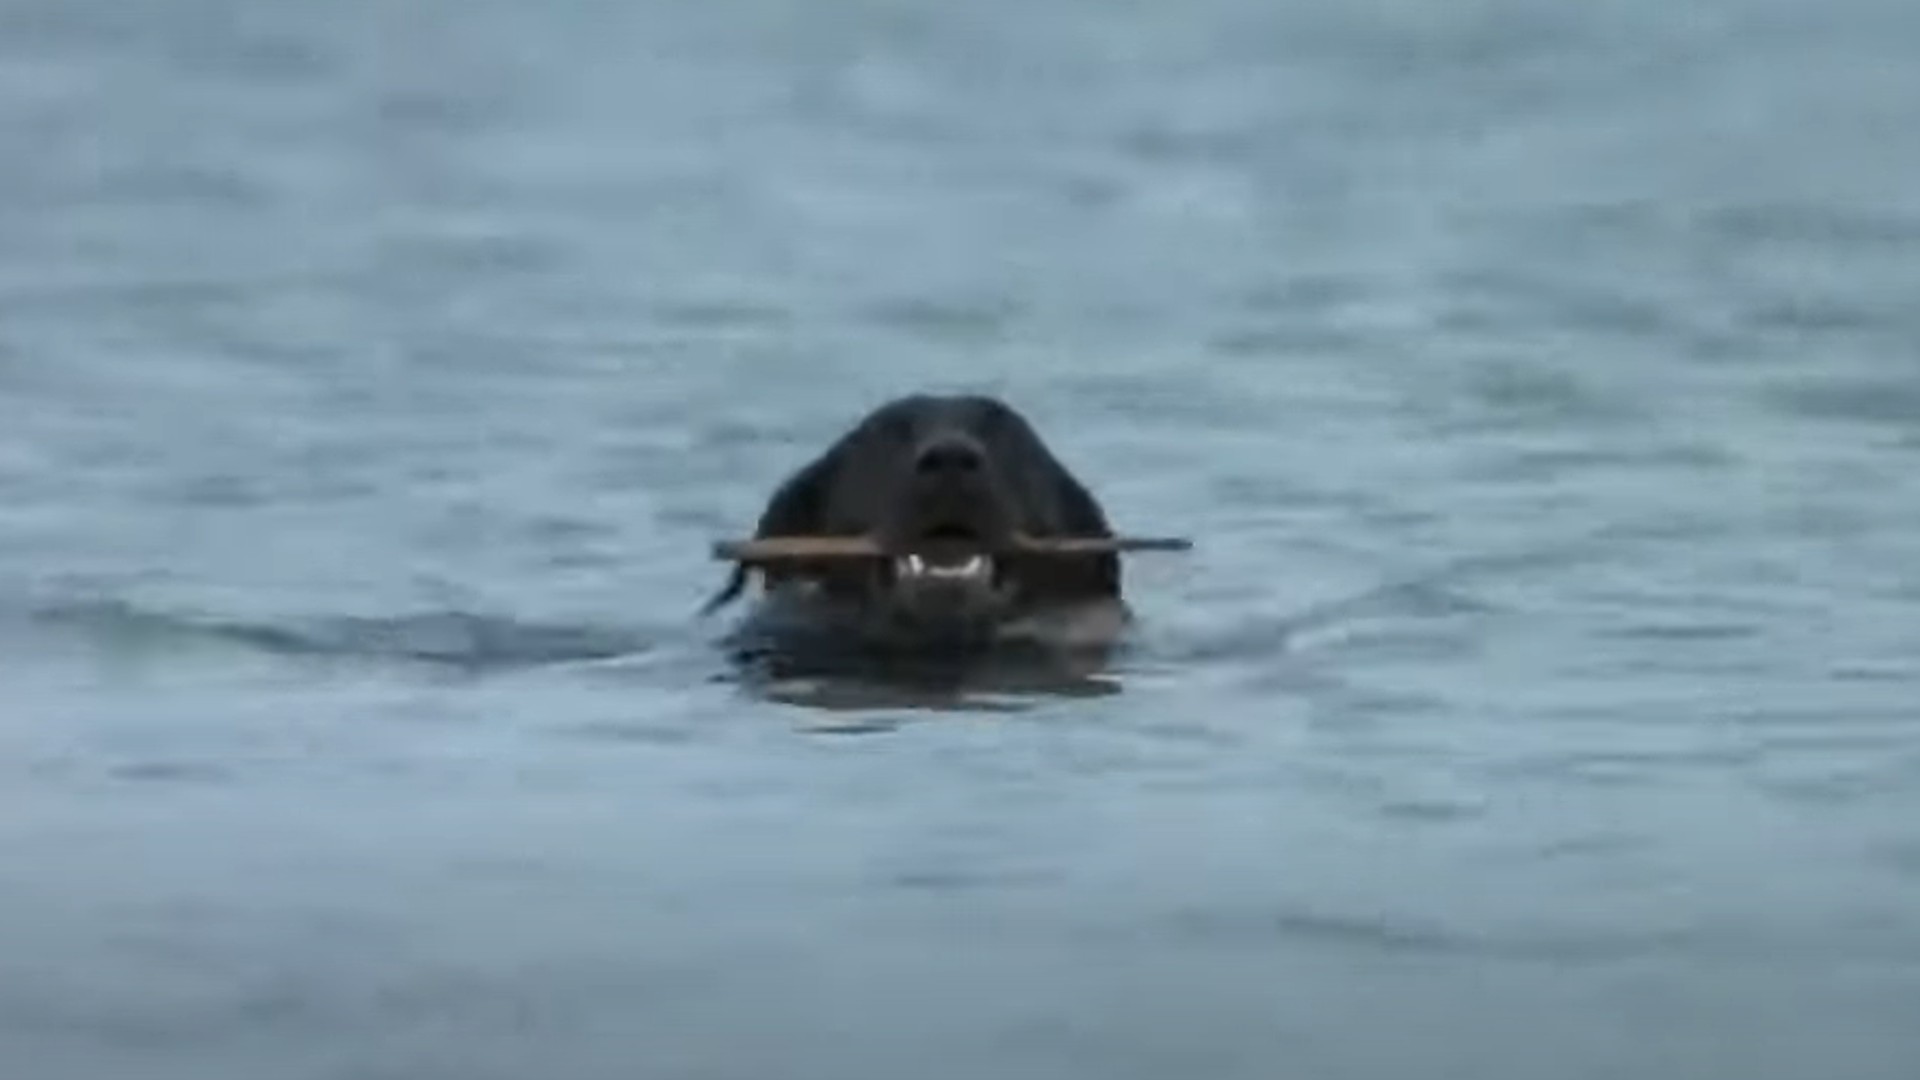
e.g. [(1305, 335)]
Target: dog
[(946, 483)]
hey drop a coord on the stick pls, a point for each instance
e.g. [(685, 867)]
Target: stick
[(773, 549)]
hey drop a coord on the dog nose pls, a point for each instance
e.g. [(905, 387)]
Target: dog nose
[(951, 456)]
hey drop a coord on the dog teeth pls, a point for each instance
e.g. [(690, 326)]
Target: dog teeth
[(916, 566), (974, 566)]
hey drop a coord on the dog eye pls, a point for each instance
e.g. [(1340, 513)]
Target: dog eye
[(890, 429), (899, 426), (987, 417)]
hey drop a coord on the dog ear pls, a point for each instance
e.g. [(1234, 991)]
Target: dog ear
[(1081, 515), (797, 508), (1080, 512), (730, 591)]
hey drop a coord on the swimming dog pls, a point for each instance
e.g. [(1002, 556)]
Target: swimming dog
[(946, 488)]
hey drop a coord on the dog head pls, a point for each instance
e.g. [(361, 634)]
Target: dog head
[(944, 484)]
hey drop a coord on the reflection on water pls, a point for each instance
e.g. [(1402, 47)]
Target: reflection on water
[(990, 686)]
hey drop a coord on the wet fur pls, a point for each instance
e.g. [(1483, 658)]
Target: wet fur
[(864, 485)]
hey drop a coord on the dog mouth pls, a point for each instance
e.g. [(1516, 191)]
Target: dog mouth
[(948, 555)]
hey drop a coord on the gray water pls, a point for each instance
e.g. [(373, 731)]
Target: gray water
[(1541, 384)]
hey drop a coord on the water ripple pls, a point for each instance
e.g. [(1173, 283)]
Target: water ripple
[(454, 639)]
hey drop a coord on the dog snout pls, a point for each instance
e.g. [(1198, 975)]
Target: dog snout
[(950, 456)]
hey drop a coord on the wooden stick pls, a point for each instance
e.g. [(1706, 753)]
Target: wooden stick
[(806, 548)]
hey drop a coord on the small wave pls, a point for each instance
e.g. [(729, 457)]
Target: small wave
[(1389, 935), (454, 639)]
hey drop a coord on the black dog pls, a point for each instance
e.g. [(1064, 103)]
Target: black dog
[(940, 480)]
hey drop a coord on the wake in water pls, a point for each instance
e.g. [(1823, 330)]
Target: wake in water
[(450, 639), (475, 644)]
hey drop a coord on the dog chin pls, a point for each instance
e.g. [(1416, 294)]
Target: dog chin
[(953, 595)]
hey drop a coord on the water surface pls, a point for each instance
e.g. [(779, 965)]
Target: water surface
[(1540, 381)]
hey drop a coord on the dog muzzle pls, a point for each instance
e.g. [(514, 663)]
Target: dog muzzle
[(960, 587)]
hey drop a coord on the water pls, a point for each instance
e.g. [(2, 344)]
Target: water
[(1540, 381)]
